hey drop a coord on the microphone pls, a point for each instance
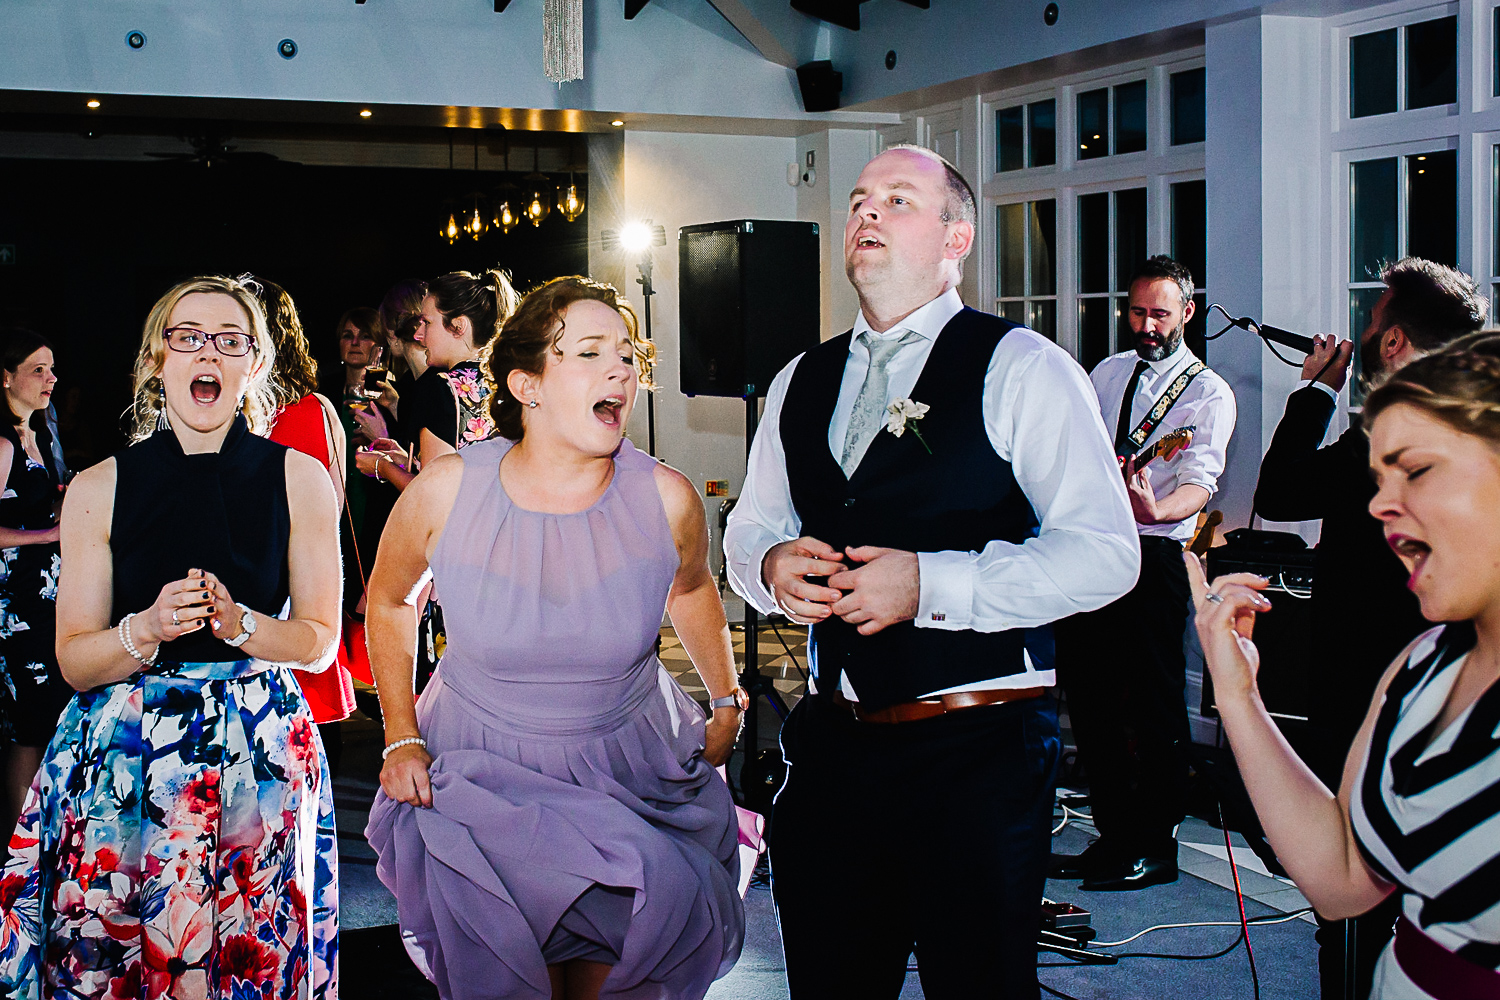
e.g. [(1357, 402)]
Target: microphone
[(1286, 338), (1275, 334)]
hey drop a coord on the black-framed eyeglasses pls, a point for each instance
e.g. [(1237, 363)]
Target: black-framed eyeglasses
[(191, 340)]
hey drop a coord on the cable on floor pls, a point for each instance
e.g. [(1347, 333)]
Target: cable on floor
[(1254, 922)]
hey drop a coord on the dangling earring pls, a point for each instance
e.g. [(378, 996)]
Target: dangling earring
[(161, 407)]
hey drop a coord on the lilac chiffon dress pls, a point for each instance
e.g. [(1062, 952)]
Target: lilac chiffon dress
[(573, 813)]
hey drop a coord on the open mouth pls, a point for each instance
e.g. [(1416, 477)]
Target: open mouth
[(609, 409), (867, 242), (1413, 552), (206, 390)]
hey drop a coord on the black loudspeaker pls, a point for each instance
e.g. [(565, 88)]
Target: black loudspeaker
[(1282, 634), (820, 84), (748, 302)]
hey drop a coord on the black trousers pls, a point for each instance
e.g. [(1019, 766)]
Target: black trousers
[(928, 836), (1124, 672)]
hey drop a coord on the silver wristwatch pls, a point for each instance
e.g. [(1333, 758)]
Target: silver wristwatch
[(738, 698), (247, 627)]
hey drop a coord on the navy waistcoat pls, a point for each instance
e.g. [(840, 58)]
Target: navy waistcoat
[(960, 497)]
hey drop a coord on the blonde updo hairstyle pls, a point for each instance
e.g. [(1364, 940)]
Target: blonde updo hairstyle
[(532, 332), (150, 401), (1459, 385)]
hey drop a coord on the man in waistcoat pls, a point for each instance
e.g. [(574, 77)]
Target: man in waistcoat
[(1123, 667), (929, 491)]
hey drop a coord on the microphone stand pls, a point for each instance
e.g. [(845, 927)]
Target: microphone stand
[(644, 266)]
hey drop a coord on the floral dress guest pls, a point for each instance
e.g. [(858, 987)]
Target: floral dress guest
[(178, 840), (33, 693), (460, 315)]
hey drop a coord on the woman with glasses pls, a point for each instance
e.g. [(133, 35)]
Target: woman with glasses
[(34, 693), (178, 840)]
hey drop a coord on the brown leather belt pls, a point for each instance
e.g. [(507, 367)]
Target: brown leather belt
[(927, 708)]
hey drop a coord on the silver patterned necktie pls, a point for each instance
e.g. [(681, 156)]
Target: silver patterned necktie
[(868, 414)]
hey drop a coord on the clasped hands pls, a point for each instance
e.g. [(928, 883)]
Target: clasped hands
[(187, 605), (867, 586)]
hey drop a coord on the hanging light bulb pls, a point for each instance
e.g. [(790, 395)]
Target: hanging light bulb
[(537, 207), (506, 217), (569, 201), (475, 224), (451, 229)]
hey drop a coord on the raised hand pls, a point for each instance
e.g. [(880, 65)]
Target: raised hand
[(1225, 620), (1329, 361)]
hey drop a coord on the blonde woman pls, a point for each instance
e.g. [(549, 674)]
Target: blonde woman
[(178, 840), (1417, 810)]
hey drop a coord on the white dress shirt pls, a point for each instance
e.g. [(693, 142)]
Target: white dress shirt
[(1207, 405), (1042, 418)]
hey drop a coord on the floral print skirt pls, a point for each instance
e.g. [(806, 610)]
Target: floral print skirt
[(179, 843)]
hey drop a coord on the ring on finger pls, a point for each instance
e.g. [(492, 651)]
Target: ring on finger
[(1213, 598), (175, 620)]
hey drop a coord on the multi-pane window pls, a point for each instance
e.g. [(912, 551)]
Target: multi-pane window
[(1190, 248), (1026, 136), (1028, 264), (1398, 69), (1188, 107), (1111, 246), (1112, 120), (1399, 206)]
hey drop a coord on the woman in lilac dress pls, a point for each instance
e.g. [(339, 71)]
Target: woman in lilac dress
[(550, 820)]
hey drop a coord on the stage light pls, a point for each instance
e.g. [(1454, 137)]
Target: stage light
[(366, 113), (93, 104), (634, 237), (617, 123), (569, 201)]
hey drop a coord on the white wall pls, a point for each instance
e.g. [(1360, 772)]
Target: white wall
[(840, 154), (679, 179)]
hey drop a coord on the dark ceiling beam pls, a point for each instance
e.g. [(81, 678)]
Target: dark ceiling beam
[(844, 13), (634, 7), (738, 14), (500, 5)]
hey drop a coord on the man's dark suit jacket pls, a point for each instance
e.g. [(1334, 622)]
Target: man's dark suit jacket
[(1363, 614)]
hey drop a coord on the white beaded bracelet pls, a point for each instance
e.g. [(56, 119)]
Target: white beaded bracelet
[(123, 631), (409, 741)]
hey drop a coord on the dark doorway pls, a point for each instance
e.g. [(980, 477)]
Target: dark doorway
[(97, 242)]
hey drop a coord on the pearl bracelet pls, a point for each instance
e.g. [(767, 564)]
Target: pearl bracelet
[(123, 631), (409, 741)]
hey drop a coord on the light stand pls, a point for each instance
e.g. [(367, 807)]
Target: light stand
[(640, 237), (644, 266)]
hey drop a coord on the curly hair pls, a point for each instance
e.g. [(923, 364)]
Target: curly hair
[(295, 374), (532, 332), (1459, 385), (150, 398)]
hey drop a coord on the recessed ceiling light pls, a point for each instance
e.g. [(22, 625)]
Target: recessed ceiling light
[(366, 113), (617, 123), (93, 104)]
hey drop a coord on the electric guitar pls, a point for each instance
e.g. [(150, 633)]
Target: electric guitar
[(1166, 448)]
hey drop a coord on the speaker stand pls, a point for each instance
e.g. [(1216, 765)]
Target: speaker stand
[(755, 683), (644, 266)]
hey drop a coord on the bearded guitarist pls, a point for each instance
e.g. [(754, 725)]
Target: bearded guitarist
[(1126, 701)]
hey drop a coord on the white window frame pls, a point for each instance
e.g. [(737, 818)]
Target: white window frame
[(1159, 165)]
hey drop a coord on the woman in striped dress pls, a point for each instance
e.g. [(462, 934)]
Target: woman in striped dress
[(1418, 811)]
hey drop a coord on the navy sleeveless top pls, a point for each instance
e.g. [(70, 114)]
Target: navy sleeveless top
[(960, 497), (225, 512)]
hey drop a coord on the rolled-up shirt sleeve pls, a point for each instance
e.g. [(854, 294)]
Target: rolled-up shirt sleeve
[(1042, 416), (1212, 417), (763, 516)]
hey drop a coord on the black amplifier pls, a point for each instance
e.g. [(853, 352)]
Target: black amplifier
[(1282, 634)]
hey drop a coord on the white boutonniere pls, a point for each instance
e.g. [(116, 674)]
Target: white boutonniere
[(903, 416)]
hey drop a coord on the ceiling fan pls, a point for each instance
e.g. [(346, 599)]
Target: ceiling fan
[(211, 149)]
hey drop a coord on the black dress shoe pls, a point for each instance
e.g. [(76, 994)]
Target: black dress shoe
[(1094, 858), (1134, 873)]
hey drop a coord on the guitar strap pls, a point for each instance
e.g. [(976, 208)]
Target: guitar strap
[(1158, 412)]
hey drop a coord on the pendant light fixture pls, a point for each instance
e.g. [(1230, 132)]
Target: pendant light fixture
[(538, 205), (450, 227), (569, 199), (476, 212), (507, 199)]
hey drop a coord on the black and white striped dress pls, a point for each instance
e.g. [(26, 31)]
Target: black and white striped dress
[(1426, 815)]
